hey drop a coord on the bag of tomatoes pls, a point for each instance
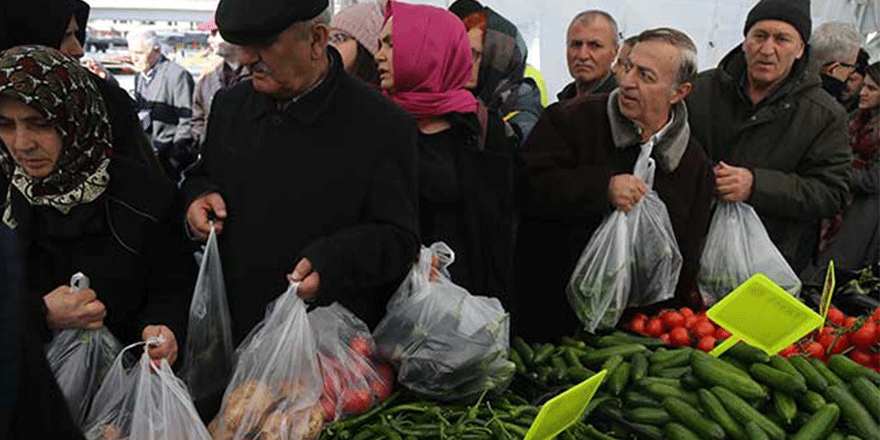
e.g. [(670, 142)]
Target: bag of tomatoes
[(353, 381)]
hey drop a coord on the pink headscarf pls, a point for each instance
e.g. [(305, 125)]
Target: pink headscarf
[(432, 61)]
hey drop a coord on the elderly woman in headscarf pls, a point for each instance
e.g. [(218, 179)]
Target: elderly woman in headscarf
[(465, 184), (499, 54), (79, 208)]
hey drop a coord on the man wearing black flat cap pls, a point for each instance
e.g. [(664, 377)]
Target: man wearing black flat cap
[(307, 173), (779, 140)]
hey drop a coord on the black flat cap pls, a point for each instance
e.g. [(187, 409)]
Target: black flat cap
[(246, 22)]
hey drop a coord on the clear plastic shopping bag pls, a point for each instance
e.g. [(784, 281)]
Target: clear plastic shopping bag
[(80, 359), (446, 343), (736, 248), (632, 259), (208, 352), (275, 390), (354, 381), (140, 400)]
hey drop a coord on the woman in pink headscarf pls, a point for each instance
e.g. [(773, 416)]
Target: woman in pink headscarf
[(465, 183)]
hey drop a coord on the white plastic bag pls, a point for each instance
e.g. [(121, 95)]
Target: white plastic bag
[(632, 259), (80, 359), (736, 248), (141, 401), (353, 380), (446, 343), (208, 352), (275, 389)]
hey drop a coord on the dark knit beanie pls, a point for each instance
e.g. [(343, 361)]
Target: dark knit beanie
[(793, 12)]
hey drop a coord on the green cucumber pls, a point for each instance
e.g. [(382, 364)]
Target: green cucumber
[(811, 401), (619, 379), (650, 430), (747, 353), (610, 365), (743, 413), (594, 434), (785, 406), (662, 355), (691, 382), (836, 435), (819, 425), (639, 367), (782, 364), (868, 394), (856, 416), (514, 357), (814, 379), (579, 374), (677, 431), (777, 379), (848, 369), (755, 432), (665, 381), (678, 359), (661, 392), (634, 399), (649, 416), (713, 407), (712, 372), (571, 356), (673, 373), (832, 378), (603, 354), (693, 419)]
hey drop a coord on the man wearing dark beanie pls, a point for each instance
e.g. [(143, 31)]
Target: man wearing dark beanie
[(778, 139)]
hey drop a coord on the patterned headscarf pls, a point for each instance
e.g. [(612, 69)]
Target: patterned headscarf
[(60, 90)]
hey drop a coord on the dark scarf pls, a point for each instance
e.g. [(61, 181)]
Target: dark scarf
[(62, 91), (41, 22)]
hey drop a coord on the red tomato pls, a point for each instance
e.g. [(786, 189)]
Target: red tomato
[(721, 333), (877, 333), (328, 407), (877, 314), (703, 329), (380, 389), (851, 321), (654, 327), (789, 351), (836, 316), (641, 316), (706, 344), (814, 349), (356, 401), (839, 347), (875, 359), (861, 357), (637, 325), (386, 373), (665, 338), (679, 336), (690, 322), (672, 320), (361, 345), (686, 311), (863, 338)]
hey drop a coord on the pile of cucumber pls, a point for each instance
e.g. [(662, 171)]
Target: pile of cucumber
[(654, 392)]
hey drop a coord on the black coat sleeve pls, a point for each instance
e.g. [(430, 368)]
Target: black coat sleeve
[(383, 246), (196, 182), (171, 277)]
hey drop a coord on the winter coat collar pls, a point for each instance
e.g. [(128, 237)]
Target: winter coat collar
[(673, 139), (308, 107), (606, 85)]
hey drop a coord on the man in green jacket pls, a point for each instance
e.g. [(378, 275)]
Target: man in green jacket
[(779, 140)]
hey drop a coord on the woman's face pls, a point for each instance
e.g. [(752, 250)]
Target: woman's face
[(869, 97), (33, 141), (346, 45), (385, 56)]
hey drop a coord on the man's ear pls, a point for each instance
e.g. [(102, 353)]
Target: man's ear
[(319, 36), (680, 92)]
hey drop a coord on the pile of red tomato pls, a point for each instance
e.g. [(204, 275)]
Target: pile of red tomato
[(858, 338)]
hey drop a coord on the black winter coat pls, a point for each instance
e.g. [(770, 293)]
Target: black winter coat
[(129, 242), (332, 178)]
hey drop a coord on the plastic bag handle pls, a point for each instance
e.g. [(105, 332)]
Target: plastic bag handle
[(79, 281), (444, 253)]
